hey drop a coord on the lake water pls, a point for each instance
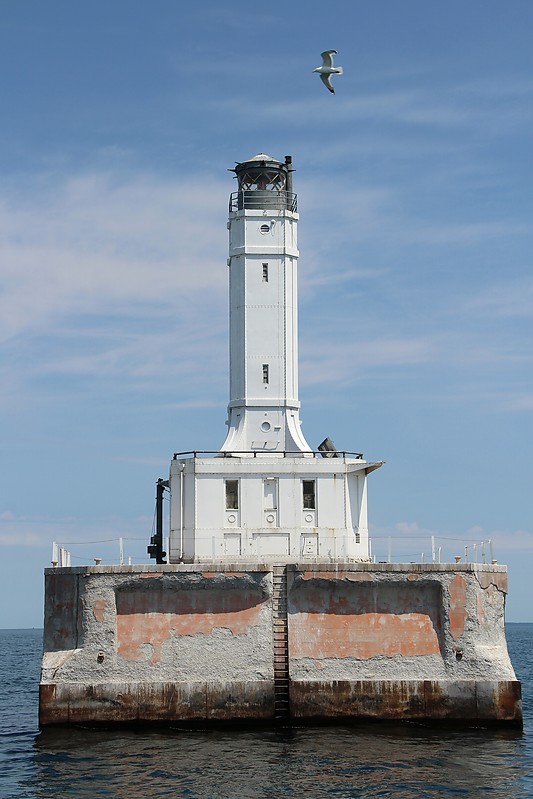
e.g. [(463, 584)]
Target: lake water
[(368, 761)]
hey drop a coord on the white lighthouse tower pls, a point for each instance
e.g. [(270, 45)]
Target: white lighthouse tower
[(266, 494), (263, 412)]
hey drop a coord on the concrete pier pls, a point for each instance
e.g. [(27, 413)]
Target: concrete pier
[(211, 643)]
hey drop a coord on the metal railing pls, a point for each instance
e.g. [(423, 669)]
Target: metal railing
[(263, 200), (382, 548), (429, 549), (196, 453), (108, 551)]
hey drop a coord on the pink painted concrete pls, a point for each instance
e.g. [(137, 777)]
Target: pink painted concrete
[(458, 612), (152, 617), (363, 636)]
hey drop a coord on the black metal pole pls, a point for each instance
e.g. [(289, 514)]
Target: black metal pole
[(155, 547), (159, 514)]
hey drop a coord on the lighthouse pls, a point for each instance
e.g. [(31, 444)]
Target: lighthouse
[(266, 494), (264, 411), (271, 607)]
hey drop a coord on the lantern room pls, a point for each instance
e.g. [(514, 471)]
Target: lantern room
[(263, 183)]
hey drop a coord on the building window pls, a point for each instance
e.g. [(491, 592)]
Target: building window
[(265, 373), (232, 494), (309, 494), (265, 273)]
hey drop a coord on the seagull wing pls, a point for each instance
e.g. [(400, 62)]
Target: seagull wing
[(327, 60), (326, 81)]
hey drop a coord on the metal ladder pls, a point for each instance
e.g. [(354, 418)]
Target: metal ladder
[(281, 644)]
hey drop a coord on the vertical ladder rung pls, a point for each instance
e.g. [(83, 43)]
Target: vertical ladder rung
[(280, 643)]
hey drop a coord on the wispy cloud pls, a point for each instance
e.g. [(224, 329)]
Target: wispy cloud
[(455, 106), (323, 363), (112, 276), (519, 402), (505, 299), (99, 242), (80, 536), (469, 233)]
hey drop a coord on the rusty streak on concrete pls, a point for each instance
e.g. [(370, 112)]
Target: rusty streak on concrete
[(132, 702), (431, 700)]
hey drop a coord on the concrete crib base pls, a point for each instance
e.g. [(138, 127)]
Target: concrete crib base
[(73, 703), (473, 701), (468, 701), (314, 642)]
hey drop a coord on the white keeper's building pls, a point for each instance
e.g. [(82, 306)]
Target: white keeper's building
[(266, 495)]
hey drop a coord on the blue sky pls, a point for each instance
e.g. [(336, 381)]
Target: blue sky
[(119, 122)]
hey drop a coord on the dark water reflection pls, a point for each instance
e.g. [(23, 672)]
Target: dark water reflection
[(315, 762), (369, 761)]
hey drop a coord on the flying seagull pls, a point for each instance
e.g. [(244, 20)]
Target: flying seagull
[(327, 69)]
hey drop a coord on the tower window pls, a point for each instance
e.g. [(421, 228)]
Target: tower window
[(232, 494), (265, 273), (309, 494), (265, 373)]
